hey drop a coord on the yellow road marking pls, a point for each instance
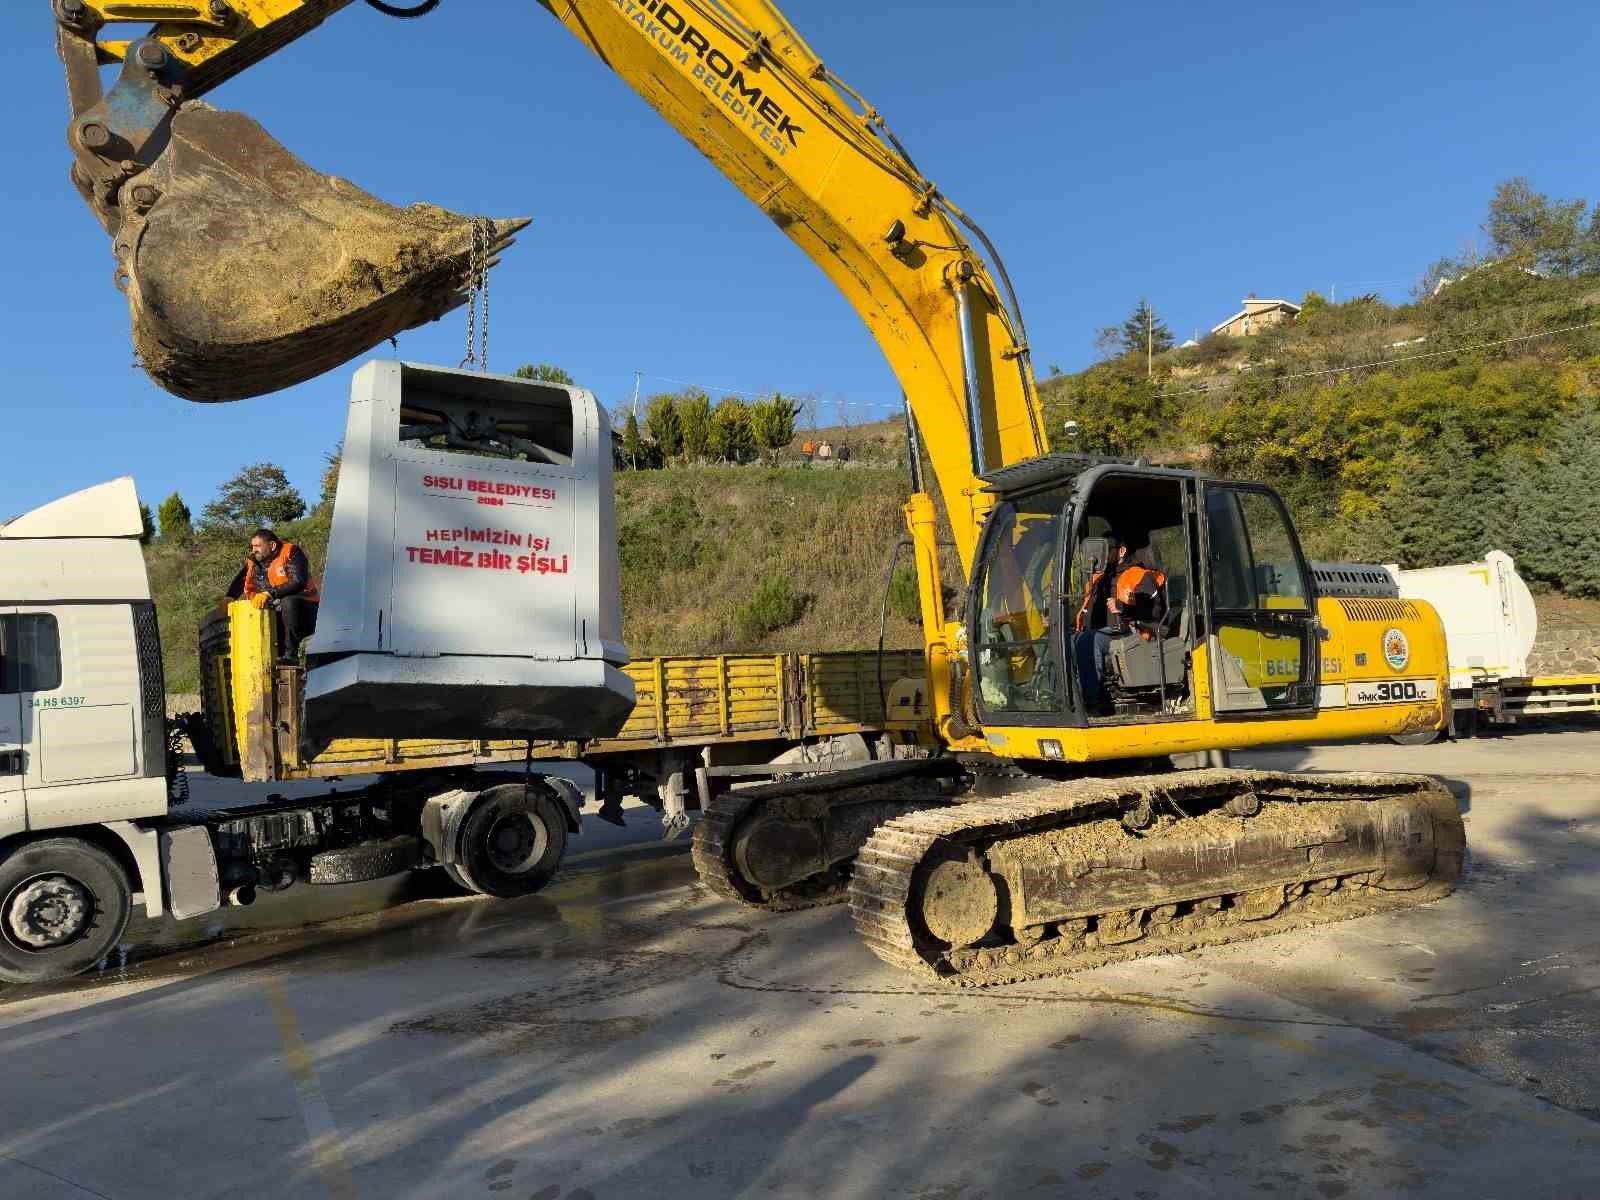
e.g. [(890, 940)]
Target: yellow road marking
[(327, 1155)]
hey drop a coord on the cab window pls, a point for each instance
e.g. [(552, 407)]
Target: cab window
[(30, 653), (1017, 669), (1253, 560)]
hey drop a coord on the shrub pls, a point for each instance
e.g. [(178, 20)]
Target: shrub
[(771, 607), (904, 598)]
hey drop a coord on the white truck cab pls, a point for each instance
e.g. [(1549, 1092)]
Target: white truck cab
[(82, 729)]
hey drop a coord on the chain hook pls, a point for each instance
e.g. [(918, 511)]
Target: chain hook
[(478, 295)]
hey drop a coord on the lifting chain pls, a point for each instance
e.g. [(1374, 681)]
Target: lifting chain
[(478, 295)]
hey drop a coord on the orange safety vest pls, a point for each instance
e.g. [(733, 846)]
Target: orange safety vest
[(1131, 585), (278, 574)]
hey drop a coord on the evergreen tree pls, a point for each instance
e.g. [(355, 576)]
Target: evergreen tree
[(148, 521), (1144, 326), (1443, 506), (694, 424), (635, 451), (1555, 508), (773, 424), (732, 439), (177, 524), (662, 424)]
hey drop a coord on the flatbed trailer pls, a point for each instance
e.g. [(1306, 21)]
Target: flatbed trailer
[(726, 707)]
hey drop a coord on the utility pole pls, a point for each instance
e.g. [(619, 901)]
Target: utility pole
[(1149, 342), (636, 375)]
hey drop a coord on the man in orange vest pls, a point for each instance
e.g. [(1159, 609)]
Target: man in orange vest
[(1126, 592), (277, 575)]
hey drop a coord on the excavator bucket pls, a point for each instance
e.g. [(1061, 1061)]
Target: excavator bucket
[(246, 271)]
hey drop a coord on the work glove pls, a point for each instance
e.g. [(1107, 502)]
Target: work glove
[(260, 599)]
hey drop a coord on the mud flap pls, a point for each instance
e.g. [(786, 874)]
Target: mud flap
[(189, 865), (251, 272)]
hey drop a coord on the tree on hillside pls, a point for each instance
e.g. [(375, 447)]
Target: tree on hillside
[(773, 424), (331, 462), (662, 424), (694, 424), (732, 439), (1530, 229), (1444, 504), (544, 372), (177, 524), (1523, 222), (261, 494), (1144, 328), (1117, 412), (636, 452), (1554, 501), (1108, 342), (148, 521)]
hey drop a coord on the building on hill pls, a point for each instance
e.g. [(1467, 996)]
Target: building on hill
[(1257, 315)]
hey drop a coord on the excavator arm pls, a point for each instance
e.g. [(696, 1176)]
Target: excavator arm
[(245, 270)]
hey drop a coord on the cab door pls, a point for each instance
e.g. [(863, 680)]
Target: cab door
[(1262, 649), (13, 751)]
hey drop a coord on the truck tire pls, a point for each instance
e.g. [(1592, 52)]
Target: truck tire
[(64, 904), (511, 842), (364, 861)]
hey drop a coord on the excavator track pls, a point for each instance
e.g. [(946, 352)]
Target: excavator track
[(1079, 874), (847, 803)]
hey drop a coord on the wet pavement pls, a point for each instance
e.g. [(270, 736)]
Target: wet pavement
[(623, 1034)]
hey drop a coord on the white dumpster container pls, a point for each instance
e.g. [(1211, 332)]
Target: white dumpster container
[(471, 587), (1490, 621)]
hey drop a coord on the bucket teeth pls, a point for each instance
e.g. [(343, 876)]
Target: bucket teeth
[(247, 271)]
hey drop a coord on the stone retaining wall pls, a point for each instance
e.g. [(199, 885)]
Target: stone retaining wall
[(1565, 652)]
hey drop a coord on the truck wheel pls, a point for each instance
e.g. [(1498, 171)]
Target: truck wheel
[(511, 842), (63, 905)]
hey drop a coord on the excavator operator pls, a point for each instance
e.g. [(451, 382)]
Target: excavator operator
[(277, 575), (1128, 593)]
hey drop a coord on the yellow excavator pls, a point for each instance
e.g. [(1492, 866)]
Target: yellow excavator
[(1051, 829)]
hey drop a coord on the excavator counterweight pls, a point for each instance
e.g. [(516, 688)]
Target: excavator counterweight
[(249, 271)]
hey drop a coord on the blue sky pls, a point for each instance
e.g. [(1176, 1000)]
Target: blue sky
[(1189, 153)]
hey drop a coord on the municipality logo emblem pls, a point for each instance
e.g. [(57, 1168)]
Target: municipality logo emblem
[(1396, 650)]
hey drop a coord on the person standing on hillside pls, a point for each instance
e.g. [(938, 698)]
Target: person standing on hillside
[(277, 575)]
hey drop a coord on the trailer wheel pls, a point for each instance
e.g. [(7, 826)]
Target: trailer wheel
[(511, 842), (63, 905)]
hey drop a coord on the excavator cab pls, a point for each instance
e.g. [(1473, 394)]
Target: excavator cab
[(1111, 592)]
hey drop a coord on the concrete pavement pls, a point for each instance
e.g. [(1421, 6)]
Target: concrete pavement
[(625, 1035)]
